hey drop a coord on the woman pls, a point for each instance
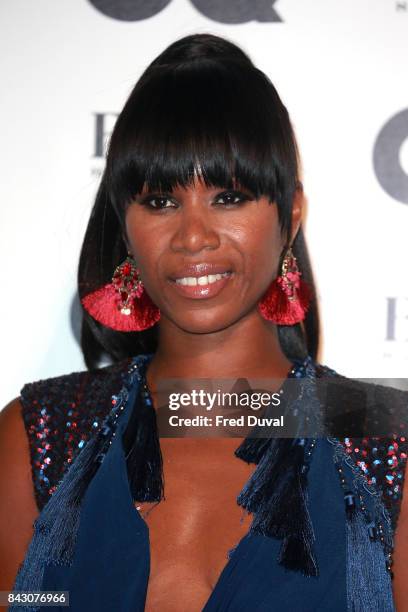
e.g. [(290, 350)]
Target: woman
[(194, 264)]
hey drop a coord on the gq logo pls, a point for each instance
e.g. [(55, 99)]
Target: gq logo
[(386, 158), (224, 11)]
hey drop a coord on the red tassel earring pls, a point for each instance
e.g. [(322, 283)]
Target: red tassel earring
[(123, 304), (288, 296)]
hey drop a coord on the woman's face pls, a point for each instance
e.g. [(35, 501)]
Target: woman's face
[(194, 234)]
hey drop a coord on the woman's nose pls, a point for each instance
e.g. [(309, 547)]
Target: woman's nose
[(195, 232)]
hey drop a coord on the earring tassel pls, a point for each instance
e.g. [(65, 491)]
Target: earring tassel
[(276, 306), (105, 306)]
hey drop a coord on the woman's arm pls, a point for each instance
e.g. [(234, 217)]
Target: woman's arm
[(18, 508), (400, 565)]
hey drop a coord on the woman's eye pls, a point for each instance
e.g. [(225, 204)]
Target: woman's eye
[(158, 202), (228, 198), (232, 197)]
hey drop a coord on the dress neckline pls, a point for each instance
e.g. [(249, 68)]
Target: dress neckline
[(298, 369)]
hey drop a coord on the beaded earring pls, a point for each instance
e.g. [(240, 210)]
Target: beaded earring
[(123, 304), (288, 297)]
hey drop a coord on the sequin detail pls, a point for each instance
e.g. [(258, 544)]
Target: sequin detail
[(383, 463), (381, 460), (60, 414)]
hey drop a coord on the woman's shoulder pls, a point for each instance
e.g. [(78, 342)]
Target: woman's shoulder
[(60, 414), (372, 426)]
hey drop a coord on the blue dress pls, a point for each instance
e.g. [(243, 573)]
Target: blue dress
[(111, 561)]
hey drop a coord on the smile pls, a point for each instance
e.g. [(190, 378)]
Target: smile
[(201, 287), (201, 280)]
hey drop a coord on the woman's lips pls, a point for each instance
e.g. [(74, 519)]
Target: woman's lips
[(199, 291)]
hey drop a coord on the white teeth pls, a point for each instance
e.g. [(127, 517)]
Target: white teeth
[(201, 280)]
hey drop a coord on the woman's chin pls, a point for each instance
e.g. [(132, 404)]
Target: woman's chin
[(200, 324)]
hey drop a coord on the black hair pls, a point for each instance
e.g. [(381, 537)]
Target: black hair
[(201, 106)]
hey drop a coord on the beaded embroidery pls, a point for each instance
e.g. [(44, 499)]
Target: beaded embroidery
[(108, 429), (376, 520)]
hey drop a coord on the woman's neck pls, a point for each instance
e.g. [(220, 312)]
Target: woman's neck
[(249, 348)]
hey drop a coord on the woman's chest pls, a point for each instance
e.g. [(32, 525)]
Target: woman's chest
[(198, 522)]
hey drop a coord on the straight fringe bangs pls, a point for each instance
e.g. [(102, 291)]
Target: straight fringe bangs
[(223, 123)]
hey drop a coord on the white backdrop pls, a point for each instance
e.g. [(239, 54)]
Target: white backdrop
[(340, 68)]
